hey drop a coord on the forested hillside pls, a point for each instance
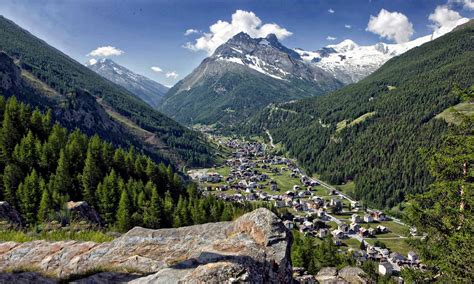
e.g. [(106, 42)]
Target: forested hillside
[(371, 132), (81, 98), (43, 166)]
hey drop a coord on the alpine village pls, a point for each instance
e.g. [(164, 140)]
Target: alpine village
[(265, 163)]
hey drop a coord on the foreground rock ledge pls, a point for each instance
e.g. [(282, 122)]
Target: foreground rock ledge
[(254, 248)]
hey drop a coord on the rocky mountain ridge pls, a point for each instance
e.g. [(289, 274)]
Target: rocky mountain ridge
[(144, 88), (254, 248), (242, 76)]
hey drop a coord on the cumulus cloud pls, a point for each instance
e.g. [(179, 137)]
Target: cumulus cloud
[(467, 4), (190, 32), (242, 21), (391, 25), (331, 11), (348, 26), (330, 38), (105, 51), (172, 74), (444, 17), (156, 69), (444, 20)]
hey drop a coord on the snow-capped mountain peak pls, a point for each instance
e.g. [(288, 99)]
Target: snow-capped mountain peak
[(349, 62), (147, 90)]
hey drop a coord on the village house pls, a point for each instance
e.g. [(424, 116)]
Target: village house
[(337, 234), (356, 218), (343, 228), (379, 216), (396, 258), (382, 229), (354, 227), (323, 232), (368, 218)]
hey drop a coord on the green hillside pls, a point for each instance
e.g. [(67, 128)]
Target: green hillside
[(380, 152), (81, 98)]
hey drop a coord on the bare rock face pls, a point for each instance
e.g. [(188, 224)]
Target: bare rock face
[(9, 217), (254, 248)]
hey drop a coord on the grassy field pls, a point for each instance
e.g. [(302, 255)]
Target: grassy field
[(347, 188), (398, 245), (450, 115), (352, 243)]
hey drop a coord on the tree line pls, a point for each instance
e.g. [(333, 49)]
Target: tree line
[(43, 165)]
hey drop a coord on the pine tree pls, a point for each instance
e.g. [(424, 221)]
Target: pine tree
[(153, 213), (124, 212), (46, 203), (29, 196), (92, 173), (11, 179), (108, 197), (62, 182)]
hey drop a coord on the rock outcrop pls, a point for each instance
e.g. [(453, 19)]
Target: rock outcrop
[(254, 248), (348, 274), (9, 217), (82, 211)]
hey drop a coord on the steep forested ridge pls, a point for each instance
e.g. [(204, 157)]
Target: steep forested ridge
[(43, 165), (371, 132), (81, 98)]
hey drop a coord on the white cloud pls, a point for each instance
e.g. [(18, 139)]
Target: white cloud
[(331, 11), (467, 4), (391, 25), (242, 21), (190, 32), (331, 38), (92, 61), (172, 74), (348, 26), (444, 20), (444, 17), (156, 69), (105, 51)]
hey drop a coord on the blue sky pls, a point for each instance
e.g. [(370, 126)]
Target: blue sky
[(151, 33)]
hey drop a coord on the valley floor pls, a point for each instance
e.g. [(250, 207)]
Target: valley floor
[(254, 172)]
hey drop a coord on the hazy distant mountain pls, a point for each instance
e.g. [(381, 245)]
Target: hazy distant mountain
[(242, 76), (349, 63), (147, 90)]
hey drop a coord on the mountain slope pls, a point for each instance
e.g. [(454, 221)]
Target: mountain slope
[(350, 63), (242, 76), (80, 98), (371, 131), (148, 90)]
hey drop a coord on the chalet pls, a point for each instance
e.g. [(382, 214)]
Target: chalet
[(368, 218), (354, 227), (322, 233), (356, 218), (273, 187), (382, 229), (343, 228), (385, 268), (337, 234), (335, 202), (372, 232), (308, 224), (296, 187), (379, 216), (313, 183)]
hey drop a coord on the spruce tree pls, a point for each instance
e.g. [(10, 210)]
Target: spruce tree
[(46, 203), (124, 212), (153, 213), (29, 195)]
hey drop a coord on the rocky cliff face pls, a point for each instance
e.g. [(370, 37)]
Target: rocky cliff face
[(254, 248)]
